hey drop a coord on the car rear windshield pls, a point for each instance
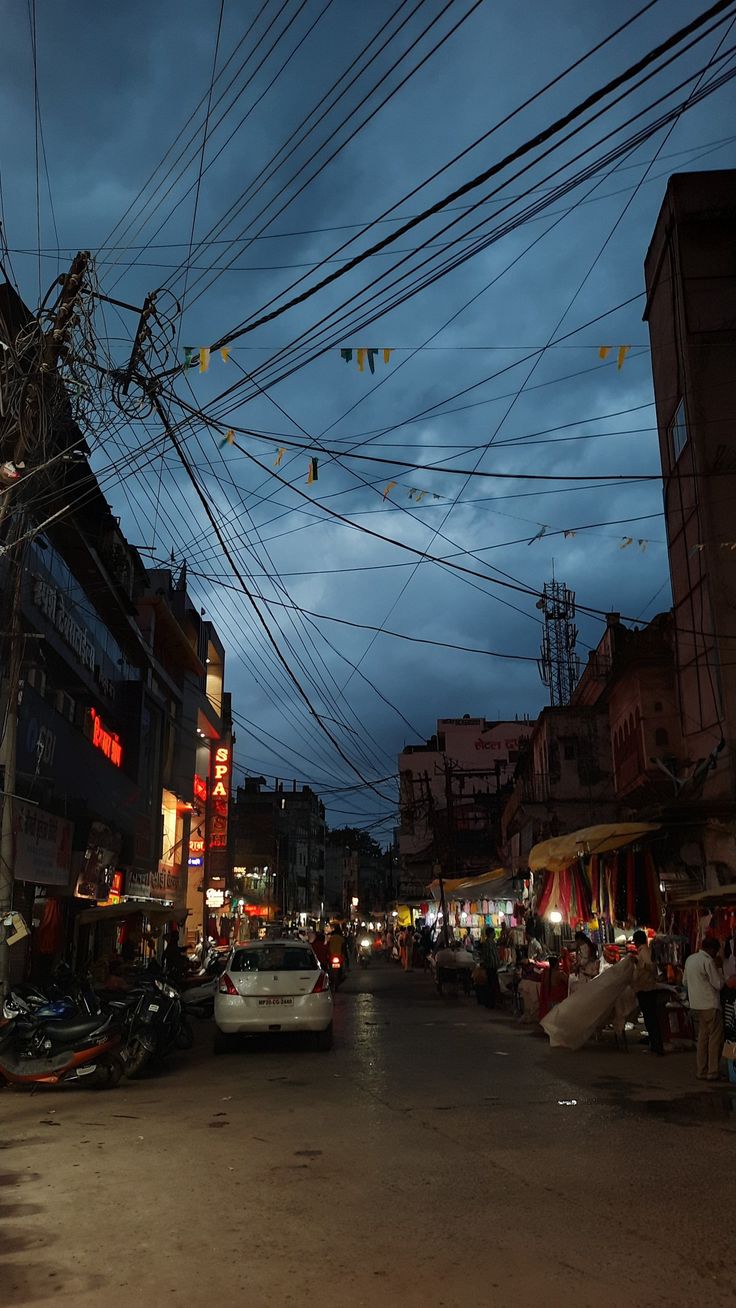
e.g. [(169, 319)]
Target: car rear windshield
[(274, 958)]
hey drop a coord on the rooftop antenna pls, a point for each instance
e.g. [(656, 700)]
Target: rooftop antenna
[(559, 665)]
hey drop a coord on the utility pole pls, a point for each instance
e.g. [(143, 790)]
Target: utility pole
[(54, 346)]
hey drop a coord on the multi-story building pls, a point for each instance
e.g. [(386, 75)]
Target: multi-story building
[(194, 746), (121, 707), (452, 790), (690, 273), (278, 848), (564, 780)]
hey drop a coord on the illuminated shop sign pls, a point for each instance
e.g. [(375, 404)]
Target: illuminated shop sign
[(103, 739), (221, 773), (196, 851)]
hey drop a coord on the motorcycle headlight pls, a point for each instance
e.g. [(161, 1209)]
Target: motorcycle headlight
[(365, 944), (167, 990)]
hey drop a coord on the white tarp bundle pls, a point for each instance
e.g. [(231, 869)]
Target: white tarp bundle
[(590, 1006)]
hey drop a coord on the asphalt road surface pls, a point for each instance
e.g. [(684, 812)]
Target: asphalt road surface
[(439, 1155)]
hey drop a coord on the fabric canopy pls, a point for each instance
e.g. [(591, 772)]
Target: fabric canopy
[(485, 886), (561, 851)]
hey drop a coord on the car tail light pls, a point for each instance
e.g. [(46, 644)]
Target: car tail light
[(227, 985), (322, 983), (336, 962)]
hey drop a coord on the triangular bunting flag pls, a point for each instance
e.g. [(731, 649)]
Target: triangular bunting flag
[(228, 438), (225, 353), (604, 351), (388, 488), (643, 545), (623, 350), (387, 356), (360, 354), (539, 535), (279, 456), (347, 355), (204, 359), (189, 360), (568, 534), (312, 475), (372, 359), (627, 540)]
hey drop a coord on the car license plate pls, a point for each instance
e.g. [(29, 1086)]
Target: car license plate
[(265, 1002)]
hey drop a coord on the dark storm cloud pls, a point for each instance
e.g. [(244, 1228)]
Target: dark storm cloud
[(116, 86)]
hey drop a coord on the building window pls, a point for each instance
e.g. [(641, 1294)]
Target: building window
[(661, 737), (678, 432), (36, 677), (65, 705)]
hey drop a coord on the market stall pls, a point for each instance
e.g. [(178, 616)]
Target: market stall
[(474, 903), (598, 878)]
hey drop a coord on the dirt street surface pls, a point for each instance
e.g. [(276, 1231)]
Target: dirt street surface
[(438, 1155)]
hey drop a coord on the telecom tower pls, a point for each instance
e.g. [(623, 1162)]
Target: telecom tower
[(559, 665)]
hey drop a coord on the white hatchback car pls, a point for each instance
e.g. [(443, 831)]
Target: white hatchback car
[(273, 985)]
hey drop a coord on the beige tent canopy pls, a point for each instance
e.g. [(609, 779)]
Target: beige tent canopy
[(561, 851), (485, 886)]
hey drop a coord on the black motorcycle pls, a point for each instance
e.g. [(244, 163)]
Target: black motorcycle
[(152, 1022)]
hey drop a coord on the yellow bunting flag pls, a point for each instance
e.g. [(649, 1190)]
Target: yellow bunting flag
[(388, 488), (387, 356), (204, 359), (279, 456), (225, 353), (312, 475), (627, 540), (228, 438), (604, 351), (360, 353), (419, 496), (623, 350)]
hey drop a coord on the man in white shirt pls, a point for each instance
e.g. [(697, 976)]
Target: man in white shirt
[(704, 983)]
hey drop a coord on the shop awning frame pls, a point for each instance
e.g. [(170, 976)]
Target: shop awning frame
[(560, 852), (722, 895), (129, 908)]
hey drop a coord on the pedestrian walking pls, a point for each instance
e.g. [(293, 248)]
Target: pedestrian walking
[(704, 983), (490, 960), (645, 985)]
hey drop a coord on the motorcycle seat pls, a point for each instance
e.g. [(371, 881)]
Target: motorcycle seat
[(77, 1028)]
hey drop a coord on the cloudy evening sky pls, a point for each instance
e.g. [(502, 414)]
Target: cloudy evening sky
[(494, 367)]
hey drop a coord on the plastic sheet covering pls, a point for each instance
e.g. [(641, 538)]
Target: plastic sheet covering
[(588, 1008)]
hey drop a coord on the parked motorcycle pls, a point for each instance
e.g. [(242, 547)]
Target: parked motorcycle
[(61, 1052), (153, 1023), (198, 989)]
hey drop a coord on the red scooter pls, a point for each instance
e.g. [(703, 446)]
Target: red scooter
[(79, 1050)]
